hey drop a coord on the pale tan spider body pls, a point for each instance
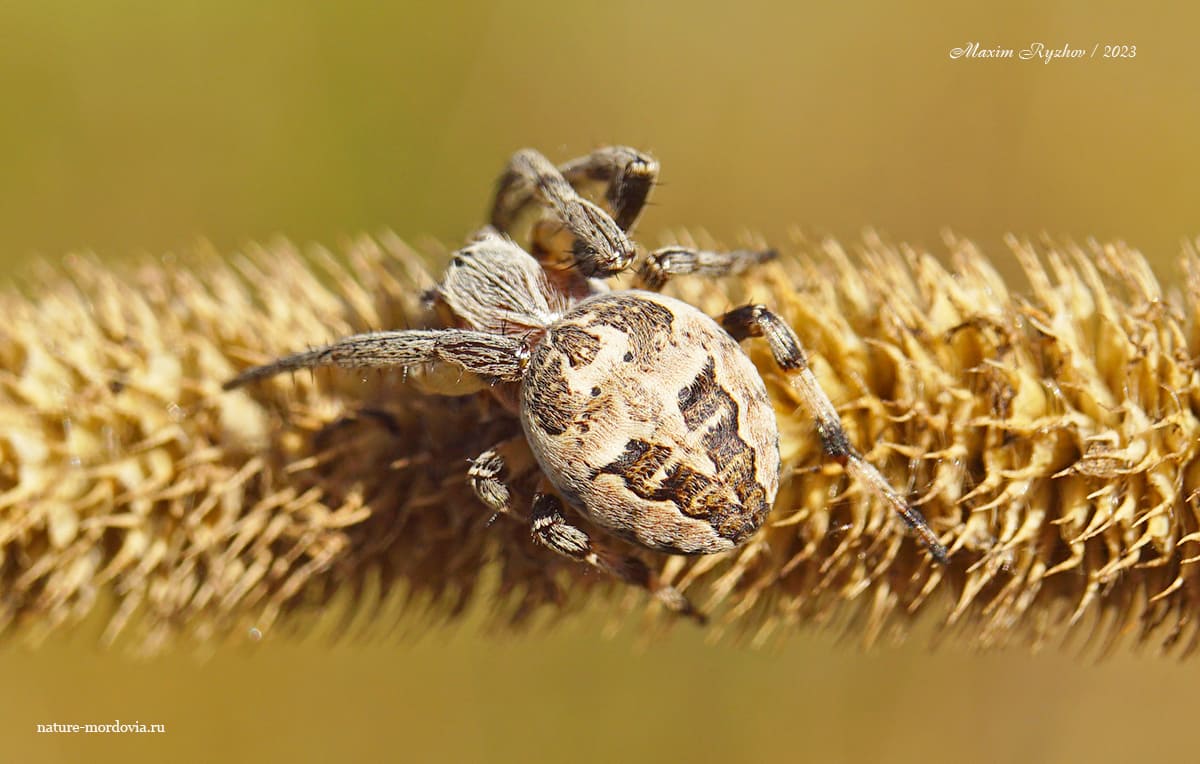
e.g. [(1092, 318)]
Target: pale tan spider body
[(642, 413), (649, 418)]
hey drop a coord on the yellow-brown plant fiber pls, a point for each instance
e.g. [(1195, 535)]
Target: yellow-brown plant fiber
[(1047, 431)]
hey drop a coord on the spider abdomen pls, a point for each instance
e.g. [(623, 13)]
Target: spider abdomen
[(649, 418)]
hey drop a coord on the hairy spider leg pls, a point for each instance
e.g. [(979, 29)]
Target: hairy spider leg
[(757, 321)]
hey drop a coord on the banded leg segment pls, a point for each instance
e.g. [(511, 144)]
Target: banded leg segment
[(490, 475), (492, 356), (628, 175), (492, 471), (489, 479), (551, 529), (757, 321), (600, 246), (662, 264)]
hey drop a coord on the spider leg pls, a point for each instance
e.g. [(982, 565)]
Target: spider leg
[(662, 264), (629, 176), (757, 321), (491, 472), (551, 529), (600, 246), (488, 475), (492, 356)]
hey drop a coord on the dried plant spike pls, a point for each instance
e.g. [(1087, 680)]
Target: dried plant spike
[(1047, 433)]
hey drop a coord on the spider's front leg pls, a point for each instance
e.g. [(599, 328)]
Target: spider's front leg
[(628, 175), (757, 321), (600, 247), (661, 264), (551, 529), (495, 357)]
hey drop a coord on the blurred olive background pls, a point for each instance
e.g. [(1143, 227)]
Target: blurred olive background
[(134, 126)]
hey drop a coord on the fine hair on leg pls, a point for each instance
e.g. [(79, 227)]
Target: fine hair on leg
[(495, 357), (757, 321), (551, 529)]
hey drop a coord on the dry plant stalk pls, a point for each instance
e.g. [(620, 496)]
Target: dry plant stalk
[(1050, 438)]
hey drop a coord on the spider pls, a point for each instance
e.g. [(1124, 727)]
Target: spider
[(643, 413)]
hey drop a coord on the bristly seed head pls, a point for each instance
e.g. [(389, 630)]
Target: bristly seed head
[(1049, 436)]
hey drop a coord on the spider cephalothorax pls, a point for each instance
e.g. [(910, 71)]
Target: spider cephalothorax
[(642, 412)]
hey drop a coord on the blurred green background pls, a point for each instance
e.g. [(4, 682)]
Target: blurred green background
[(140, 126)]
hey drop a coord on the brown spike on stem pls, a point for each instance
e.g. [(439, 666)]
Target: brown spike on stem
[(1050, 439)]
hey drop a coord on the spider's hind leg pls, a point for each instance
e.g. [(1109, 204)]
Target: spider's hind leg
[(551, 529), (492, 472), (757, 321)]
